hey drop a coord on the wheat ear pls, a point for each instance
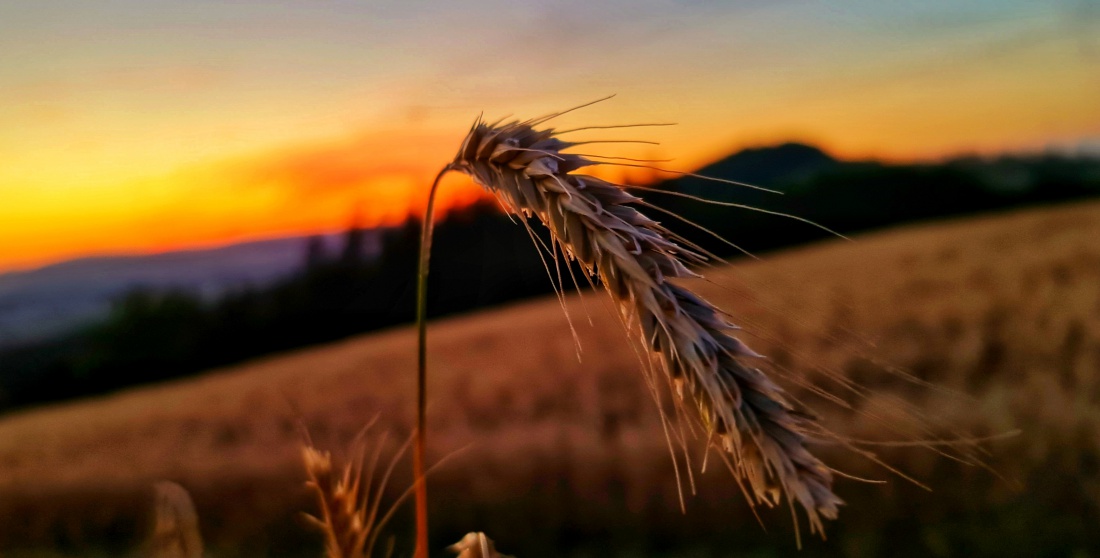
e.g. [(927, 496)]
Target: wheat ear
[(597, 224), (176, 525), (348, 497), (476, 545)]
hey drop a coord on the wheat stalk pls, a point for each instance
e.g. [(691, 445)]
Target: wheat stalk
[(597, 224)]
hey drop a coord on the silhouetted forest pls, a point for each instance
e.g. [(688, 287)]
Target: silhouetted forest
[(481, 258)]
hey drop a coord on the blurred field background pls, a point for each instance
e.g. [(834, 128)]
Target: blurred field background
[(208, 234), (555, 457)]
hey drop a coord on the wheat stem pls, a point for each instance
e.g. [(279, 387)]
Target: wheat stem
[(422, 370)]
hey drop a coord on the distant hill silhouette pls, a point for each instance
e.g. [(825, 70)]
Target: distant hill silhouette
[(768, 167), (54, 298), (849, 196)]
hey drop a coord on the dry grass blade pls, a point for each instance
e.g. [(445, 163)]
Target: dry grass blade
[(176, 525), (476, 545), (597, 223)]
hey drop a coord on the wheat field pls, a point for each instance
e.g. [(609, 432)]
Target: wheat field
[(551, 456)]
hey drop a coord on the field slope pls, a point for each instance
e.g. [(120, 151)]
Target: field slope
[(550, 455)]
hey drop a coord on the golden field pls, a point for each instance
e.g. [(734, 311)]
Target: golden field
[(982, 326)]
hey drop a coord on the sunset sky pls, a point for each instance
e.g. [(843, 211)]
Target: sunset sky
[(137, 126)]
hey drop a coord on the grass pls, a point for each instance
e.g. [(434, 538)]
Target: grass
[(1005, 308)]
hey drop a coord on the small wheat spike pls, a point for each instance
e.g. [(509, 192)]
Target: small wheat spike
[(176, 525), (476, 545), (598, 225), (349, 497)]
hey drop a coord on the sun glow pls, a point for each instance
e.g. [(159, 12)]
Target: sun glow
[(284, 121)]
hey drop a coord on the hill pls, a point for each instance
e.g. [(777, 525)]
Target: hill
[(856, 196), (567, 458), (55, 298), (770, 167)]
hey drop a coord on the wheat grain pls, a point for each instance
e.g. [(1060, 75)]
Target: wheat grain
[(596, 223)]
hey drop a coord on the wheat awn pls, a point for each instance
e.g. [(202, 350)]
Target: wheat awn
[(597, 224)]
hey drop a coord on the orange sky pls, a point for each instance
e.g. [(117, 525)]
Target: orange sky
[(134, 130)]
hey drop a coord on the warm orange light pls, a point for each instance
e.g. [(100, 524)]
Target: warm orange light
[(144, 186)]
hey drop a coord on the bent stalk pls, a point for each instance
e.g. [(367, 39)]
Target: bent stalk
[(422, 371)]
